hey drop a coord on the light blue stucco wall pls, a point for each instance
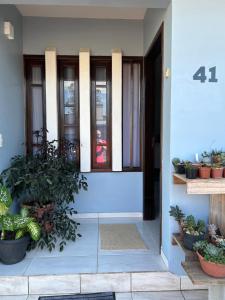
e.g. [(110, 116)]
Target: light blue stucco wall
[(197, 109), (69, 35), (11, 87), (111, 192)]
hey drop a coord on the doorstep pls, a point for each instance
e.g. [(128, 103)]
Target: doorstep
[(91, 283)]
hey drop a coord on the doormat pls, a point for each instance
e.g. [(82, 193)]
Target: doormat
[(120, 237), (99, 296)]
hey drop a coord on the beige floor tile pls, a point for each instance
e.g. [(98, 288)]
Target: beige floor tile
[(123, 296), (157, 296), (195, 295)]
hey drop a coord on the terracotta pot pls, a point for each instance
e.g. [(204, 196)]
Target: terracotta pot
[(210, 268), (204, 172), (217, 173)]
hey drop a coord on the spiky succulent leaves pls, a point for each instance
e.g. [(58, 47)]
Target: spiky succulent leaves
[(5, 200), (177, 213), (200, 246), (200, 226), (34, 230)]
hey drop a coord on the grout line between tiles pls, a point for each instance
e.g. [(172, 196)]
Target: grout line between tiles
[(183, 295)]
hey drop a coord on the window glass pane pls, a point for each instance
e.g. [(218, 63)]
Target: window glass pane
[(69, 115), (37, 110), (69, 93), (69, 134), (100, 76), (69, 73), (36, 75), (101, 125)]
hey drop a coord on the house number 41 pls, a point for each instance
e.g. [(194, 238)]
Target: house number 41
[(201, 75)]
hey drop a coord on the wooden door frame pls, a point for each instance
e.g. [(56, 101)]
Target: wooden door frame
[(148, 207)]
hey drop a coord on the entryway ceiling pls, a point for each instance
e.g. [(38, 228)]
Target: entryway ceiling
[(59, 11)]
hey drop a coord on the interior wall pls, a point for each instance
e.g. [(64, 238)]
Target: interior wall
[(11, 87), (69, 35)]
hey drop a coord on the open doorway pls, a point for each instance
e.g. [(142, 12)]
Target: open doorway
[(152, 128)]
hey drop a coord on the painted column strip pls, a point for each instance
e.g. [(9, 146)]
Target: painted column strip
[(117, 110), (85, 114), (51, 94)]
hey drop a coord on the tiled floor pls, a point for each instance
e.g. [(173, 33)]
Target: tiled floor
[(184, 295), (86, 256)]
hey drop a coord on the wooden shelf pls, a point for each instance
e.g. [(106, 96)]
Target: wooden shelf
[(201, 186), (190, 256), (197, 276)]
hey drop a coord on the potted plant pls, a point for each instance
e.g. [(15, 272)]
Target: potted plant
[(217, 171), (205, 171), (193, 231), (206, 157), (179, 216), (179, 166), (191, 171), (211, 258), (16, 230), (46, 182)]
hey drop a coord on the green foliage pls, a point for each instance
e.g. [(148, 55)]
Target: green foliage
[(177, 213), (193, 228), (19, 223), (5, 200), (175, 161), (206, 154), (210, 252), (49, 176)]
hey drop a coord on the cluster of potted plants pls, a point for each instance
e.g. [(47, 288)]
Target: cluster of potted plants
[(210, 247), (45, 183), (212, 165)]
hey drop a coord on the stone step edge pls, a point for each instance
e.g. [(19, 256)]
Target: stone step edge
[(93, 283)]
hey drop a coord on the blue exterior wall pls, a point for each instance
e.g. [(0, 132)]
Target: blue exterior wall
[(69, 35), (111, 192), (12, 113)]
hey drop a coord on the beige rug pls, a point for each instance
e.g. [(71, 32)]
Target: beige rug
[(120, 237)]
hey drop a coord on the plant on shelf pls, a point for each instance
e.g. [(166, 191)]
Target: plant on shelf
[(217, 171), (45, 182), (205, 171), (179, 216), (191, 170), (206, 157), (16, 230), (211, 258), (190, 230), (179, 166), (217, 156)]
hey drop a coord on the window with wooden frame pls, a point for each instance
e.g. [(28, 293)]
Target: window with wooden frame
[(101, 113), (68, 85), (34, 67), (132, 87)]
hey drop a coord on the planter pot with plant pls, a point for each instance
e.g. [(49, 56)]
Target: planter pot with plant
[(205, 171), (211, 258), (193, 231), (46, 183), (179, 166), (191, 171), (16, 230), (217, 171), (206, 158)]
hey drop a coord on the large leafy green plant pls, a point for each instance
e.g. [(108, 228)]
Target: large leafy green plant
[(49, 176), (15, 226)]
